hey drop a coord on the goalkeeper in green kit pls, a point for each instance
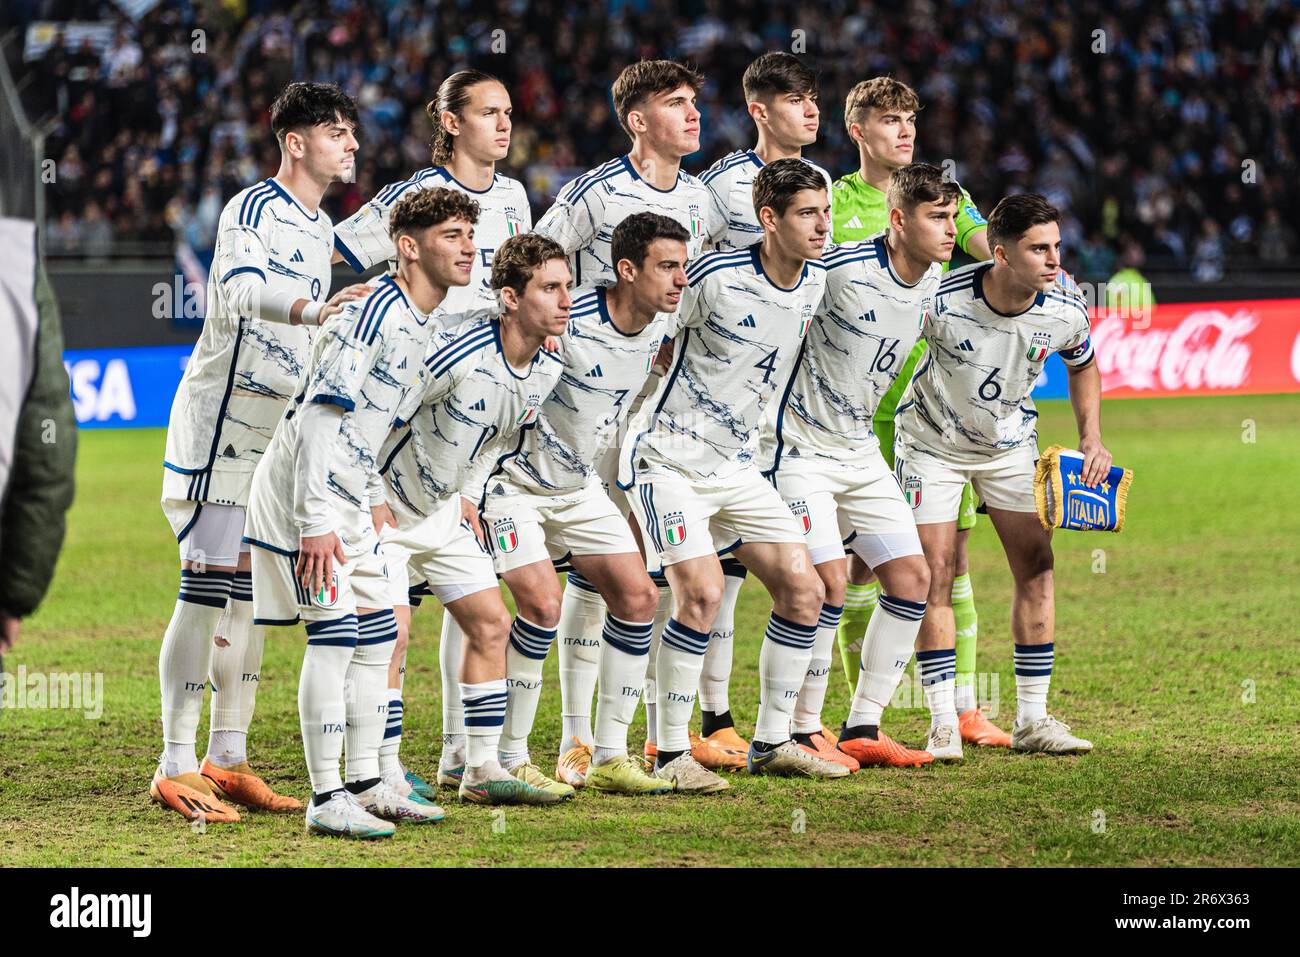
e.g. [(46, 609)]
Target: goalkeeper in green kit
[(881, 118)]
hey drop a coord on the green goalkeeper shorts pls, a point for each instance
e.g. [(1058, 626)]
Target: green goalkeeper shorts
[(884, 429)]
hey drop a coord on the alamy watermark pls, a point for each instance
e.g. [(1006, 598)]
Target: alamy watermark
[(82, 692)]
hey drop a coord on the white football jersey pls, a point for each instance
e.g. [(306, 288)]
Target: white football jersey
[(969, 398), (587, 210), (866, 325), (740, 335), (732, 180), (364, 360), (242, 371), (363, 240), (452, 432), (604, 370)]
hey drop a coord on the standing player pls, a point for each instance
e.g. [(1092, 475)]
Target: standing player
[(968, 417), (487, 382), (881, 118), (655, 104), (270, 273), (546, 503), (692, 477), (471, 117), (316, 546), (826, 462)]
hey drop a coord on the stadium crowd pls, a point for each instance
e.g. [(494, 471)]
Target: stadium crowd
[(1164, 132)]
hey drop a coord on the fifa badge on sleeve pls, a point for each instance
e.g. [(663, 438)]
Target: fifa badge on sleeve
[(1064, 501)]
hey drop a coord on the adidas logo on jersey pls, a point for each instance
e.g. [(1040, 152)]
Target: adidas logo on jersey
[(229, 452), (479, 406), (853, 223), (595, 373), (402, 364), (965, 346), (748, 322), (296, 257)]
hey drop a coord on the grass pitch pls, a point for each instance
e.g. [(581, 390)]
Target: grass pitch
[(1176, 655)]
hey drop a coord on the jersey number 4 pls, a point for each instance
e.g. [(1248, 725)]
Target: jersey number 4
[(768, 365)]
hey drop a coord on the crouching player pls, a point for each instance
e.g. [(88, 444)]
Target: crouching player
[(968, 417), (315, 546), (826, 461), (485, 383)]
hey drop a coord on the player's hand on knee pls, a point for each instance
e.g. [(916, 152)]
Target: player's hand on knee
[(1096, 461)]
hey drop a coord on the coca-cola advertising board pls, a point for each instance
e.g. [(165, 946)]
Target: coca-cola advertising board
[(1201, 348)]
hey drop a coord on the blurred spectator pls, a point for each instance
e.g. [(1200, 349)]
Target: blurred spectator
[(1149, 137), (1277, 240)]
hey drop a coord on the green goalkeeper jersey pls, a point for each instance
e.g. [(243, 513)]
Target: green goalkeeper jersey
[(858, 210)]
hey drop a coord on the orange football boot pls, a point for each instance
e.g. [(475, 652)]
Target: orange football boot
[(831, 737), (572, 766), (827, 751), (884, 751), (190, 796), (651, 753), (723, 750), (241, 786), (977, 729)]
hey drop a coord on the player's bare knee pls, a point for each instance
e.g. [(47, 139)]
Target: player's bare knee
[(636, 602), (833, 576), (542, 611), (699, 603), (802, 598), (909, 579)]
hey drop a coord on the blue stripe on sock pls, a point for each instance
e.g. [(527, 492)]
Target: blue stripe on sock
[(337, 632), (678, 636), (937, 665), (901, 608), (631, 638)]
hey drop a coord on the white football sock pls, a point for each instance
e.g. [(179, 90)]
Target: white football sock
[(450, 653), (782, 665), (392, 743), (367, 706), (663, 611), (1033, 678), (625, 647), (887, 649), (484, 706), (715, 678), (234, 681), (525, 654), (681, 656), (322, 698), (938, 670), (582, 617), (812, 695), (183, 664)]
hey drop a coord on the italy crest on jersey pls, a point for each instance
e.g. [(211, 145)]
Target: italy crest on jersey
[(697, 224), (514, 225), (328, 596), (1038, 347), (800, 510), (805, 319), (529, 411), (675, 528), (503, 530), (912, 490)]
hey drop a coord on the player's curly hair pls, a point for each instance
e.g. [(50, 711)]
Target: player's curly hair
[(633, 236), (519, 257), (452, 97), (302, 105), (881, 92), (917, 183), (779, 73), (778, 181), (1015, 215), (421, 208), (644, 79)]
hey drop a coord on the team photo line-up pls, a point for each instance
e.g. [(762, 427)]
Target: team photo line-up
[(665, 384)]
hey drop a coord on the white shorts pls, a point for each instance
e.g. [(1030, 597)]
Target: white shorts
[(280, 599), (440, 556), (523, 529), (933, 486), (681, 519), (857, 504), (208, 534)]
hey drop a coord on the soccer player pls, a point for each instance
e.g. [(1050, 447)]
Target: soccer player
[(825, 459), (546, 504), (471, 117), (968, 417), (316, 555), (693, 479), (487, 382), (880, 115), (270, 275)]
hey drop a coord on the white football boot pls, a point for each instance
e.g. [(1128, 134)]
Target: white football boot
[(1047, 735), (342, 816), (383, 801), (944, 743)]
